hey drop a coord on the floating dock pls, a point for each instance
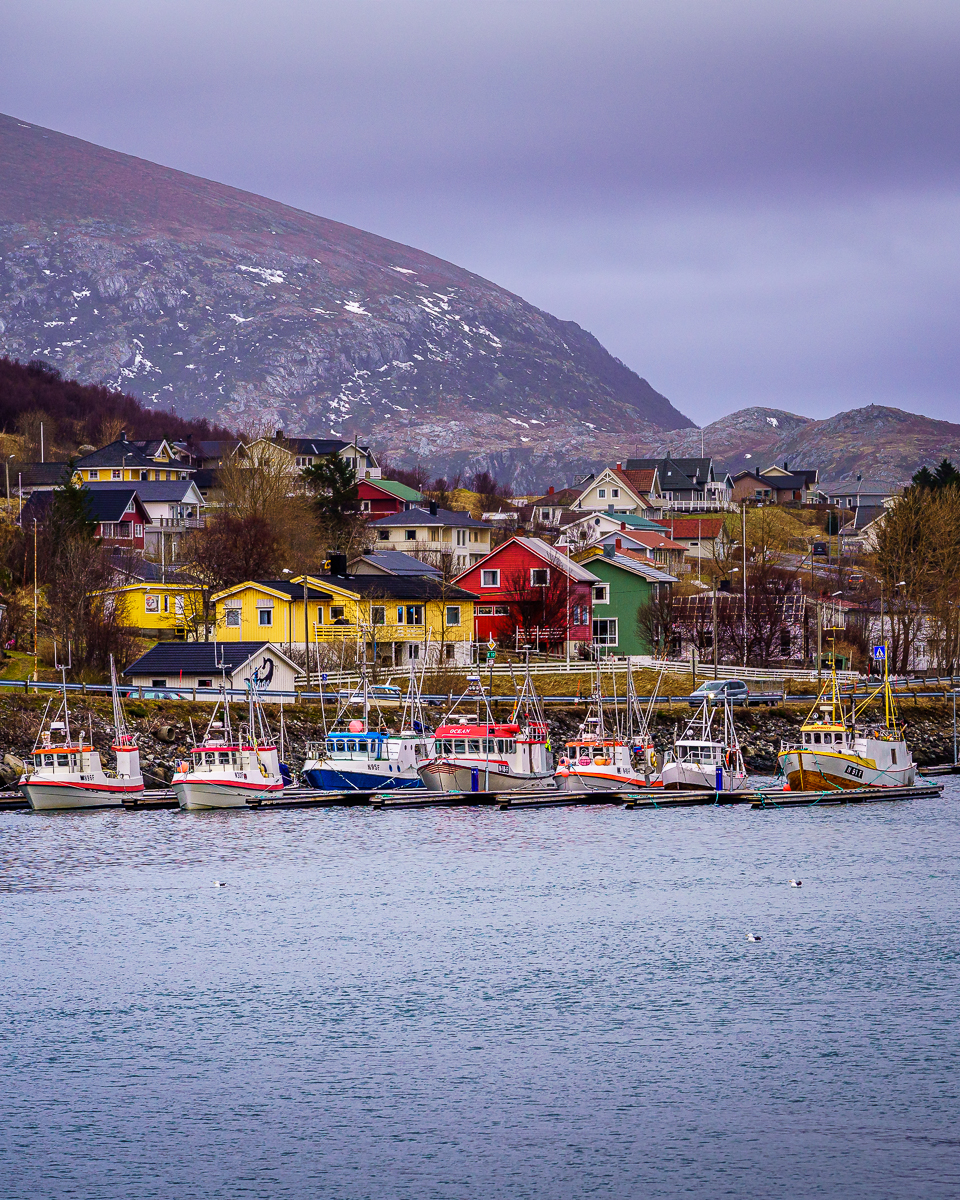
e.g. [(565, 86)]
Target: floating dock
[(408, 798)]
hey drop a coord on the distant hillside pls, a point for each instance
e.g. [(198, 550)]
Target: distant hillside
[(75, 413), (880, 443), (238, 309)]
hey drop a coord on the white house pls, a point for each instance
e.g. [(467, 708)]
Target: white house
[(184, 665)]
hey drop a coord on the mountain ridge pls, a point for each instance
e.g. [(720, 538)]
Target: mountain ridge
[(245, 311)]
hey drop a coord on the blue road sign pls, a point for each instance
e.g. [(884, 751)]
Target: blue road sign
[(879, 654)]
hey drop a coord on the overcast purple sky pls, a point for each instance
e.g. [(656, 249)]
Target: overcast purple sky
[(747, 202)]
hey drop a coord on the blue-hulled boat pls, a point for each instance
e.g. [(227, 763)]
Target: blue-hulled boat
[(363, 759)]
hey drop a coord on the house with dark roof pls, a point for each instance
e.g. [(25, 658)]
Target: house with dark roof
[(186, 665), (391, 562), (119, 515), (445, 539), (299, 452), (23, 479), (688, 484), (398, 619), (125, 462), (174, 510)]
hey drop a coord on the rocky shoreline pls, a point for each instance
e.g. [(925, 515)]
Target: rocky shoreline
[(164, 733)]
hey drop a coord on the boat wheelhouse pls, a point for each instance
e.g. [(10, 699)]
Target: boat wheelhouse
[(66, 772), (227, 769), (704, 758), (834, 753), (359, 759)]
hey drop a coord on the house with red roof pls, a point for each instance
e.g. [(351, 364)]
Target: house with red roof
[(616, 490), (528, 591)]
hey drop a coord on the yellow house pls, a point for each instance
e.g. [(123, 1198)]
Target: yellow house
[(158, 610), (399, 619), (132, 462)]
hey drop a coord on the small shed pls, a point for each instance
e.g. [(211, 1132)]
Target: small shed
[(182, 665)]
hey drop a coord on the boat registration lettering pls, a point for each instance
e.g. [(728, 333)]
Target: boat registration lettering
[(86, 779), (503, 768), (854, 771)]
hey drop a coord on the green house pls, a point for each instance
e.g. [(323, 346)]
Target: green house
[(626, 583)]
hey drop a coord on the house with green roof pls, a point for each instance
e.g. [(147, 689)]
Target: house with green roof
[(379, 497), (624, 585)]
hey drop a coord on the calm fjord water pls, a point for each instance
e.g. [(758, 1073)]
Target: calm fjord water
[(470, 1003)]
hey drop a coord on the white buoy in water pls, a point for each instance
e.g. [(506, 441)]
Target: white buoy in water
[(795, 882), (754, 937)]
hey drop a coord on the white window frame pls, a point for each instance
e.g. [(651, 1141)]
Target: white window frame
[(265, 613), (536, 571), (493, 583), (606, 640), (601, 593), (601, 493), (614, 493), (455, 610)]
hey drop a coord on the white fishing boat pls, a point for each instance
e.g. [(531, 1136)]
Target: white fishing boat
[(228, 770), (487, 756), (839, 750), (66, 771), (705, 757), (599, 759)]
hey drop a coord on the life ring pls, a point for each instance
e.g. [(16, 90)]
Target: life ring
[(583, 760), (726, 760)]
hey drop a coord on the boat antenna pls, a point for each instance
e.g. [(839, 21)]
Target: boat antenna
[(63, 668)]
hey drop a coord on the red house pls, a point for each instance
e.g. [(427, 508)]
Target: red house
[(528, 585), (378, 497)]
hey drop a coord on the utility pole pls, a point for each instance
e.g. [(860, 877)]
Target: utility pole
[(743, 539), (35, 595), (819, 640), (306, 632)]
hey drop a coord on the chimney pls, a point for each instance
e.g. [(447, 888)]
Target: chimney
[(123, 435), (786, 465), (338, 564), (278, 435), (619, 466), (619, 545), (550, 490), (623, 527), (433, 508)]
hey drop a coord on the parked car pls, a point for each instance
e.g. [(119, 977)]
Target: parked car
[(720, 689)]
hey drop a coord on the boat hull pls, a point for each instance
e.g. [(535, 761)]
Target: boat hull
[(335, 779), (48, 797), (683, 776), (194, 795), (816, 771), (448, 775), (580, 782)]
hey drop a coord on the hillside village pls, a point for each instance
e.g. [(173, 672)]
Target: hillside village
[(159, 550)]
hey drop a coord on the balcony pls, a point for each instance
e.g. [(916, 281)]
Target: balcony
[(350, 631), (171, 523)]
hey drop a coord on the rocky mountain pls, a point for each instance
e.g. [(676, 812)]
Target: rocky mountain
[(217, 303), (885, 444)]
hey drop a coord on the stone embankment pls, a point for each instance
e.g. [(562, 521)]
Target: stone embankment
[(164, 730)]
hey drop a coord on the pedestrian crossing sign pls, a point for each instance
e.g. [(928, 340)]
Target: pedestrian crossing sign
[(879, 654)]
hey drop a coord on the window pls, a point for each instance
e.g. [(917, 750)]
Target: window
[(410, 535), (576, 614), (614, 493), (413, 650), (602, 493), (364, 505), (378, 615), (319, 614), (205, 683), (434, 535), (785, 643), (539, 576), (138, 531), (93, 474), (605, 631), (265, 616), (117, 474), (144, 475), (449, 651), (489, 578), (453, 614), (414, 614), (501, 610), (158, 683), (484, 610), (166, 604), (336, 612), (178, 605), (233, 618), (601, 594)]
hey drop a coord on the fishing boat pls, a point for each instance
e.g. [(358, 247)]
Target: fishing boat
[(487, 756), (66, 772), (838, 749), (704, 757), (602, 760), (359, 758), (228, 770)]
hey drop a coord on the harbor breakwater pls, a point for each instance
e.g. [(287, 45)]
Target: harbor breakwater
[(163, 729)]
